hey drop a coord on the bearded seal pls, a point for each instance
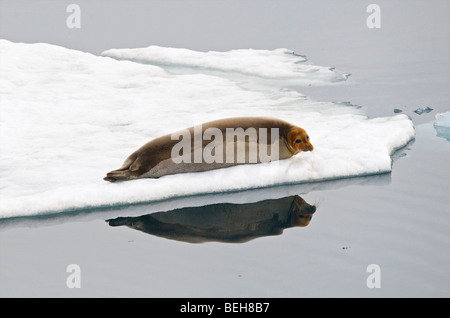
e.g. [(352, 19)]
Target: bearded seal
[(216, 144), (224, 222)]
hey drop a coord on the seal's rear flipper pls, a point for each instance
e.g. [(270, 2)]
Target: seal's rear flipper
[(118, 221), (118, 175), (110, 179)]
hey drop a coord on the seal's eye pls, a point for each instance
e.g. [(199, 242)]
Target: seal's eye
[(307, 138), (297, 141)]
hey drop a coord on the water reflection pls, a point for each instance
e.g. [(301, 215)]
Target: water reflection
[(224, 222)]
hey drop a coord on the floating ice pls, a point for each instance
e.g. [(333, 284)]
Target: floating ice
[(420, 110), (442, 125), (68, 117), (280, 64)]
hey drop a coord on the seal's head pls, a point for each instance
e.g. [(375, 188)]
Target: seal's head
[(298, 140), (301, 212)]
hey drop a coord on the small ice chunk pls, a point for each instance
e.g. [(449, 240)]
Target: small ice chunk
[(420, 110), (442, 125)]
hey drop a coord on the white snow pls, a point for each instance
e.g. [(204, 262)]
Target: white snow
[(68, 117)]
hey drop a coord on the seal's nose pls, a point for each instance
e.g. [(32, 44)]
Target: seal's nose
[(309, 147), (308, 208)]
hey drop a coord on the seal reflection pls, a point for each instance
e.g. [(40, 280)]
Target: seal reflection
[(224, 222)]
